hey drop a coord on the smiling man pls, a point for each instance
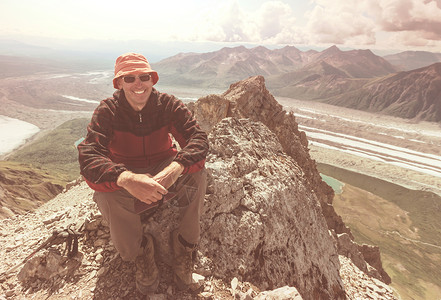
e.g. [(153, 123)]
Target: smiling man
[(129, 159)]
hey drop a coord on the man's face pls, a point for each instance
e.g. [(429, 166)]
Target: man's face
[(136, 90)]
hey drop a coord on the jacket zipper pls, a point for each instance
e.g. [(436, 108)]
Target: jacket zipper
[(143, 137)]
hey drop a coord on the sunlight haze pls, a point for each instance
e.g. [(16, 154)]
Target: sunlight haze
[(379, 24)]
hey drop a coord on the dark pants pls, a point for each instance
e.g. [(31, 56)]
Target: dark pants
[(118, 209)]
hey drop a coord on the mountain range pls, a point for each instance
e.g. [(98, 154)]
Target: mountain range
[(347, 78), (229, 65)]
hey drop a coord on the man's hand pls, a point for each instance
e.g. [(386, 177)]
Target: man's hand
[(169, 174), (141, 186)]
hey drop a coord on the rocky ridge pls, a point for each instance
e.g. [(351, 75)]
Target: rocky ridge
[(268, 224), (250, 99), (102, 274)]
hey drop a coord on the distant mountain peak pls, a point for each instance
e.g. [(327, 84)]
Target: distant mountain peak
[(261, 49), (365, 51), (240, 48), (332, 49)]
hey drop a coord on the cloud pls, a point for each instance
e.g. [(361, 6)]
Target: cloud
[(234, 24), (409, 39), (412, 15), (438, 2), (379, 22), (352, 23), (341, 22), (273, 22), (280, 29)]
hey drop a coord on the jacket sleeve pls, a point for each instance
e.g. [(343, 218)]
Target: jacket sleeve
[(192, 139), (99, 171)]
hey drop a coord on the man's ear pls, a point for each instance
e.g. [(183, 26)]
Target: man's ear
[(119, 83)]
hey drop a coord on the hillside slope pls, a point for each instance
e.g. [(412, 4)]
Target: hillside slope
[(55, 151), (24, 188), (413, 94), (40, 170), (355, 63), (411, 60), (357, 78)]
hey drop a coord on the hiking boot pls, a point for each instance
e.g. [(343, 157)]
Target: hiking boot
[(183, 260), (146, 275)]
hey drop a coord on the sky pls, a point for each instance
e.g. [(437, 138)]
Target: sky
[(360, 24)]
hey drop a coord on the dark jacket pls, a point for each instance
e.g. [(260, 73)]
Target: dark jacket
[(120, 138)]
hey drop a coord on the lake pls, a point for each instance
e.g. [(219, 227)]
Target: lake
[(14, 133)]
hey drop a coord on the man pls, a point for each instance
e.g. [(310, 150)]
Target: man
[(129, 159)]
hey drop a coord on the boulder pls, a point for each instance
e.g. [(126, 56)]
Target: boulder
[(283, 293)]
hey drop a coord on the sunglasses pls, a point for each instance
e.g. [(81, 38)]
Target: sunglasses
[(131, 79)]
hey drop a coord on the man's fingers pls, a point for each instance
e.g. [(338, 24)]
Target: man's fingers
[(145, 188), (162, 190), (155, 197)]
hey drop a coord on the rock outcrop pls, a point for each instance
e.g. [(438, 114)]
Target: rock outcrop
[(250, 99), (103, 275), (262, 222)]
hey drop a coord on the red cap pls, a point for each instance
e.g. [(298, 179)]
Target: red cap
[(131, 63)]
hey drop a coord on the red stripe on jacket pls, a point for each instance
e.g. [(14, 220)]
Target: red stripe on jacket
[(120, 138)]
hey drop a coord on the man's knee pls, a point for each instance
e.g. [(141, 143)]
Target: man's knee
[(125, 225), (191, 187)]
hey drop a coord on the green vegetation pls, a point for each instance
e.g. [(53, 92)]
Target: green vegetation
[(404, 223), (55, 152)]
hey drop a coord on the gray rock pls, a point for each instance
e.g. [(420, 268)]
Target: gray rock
[(48, 264), (283, 293), (261, 222)]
